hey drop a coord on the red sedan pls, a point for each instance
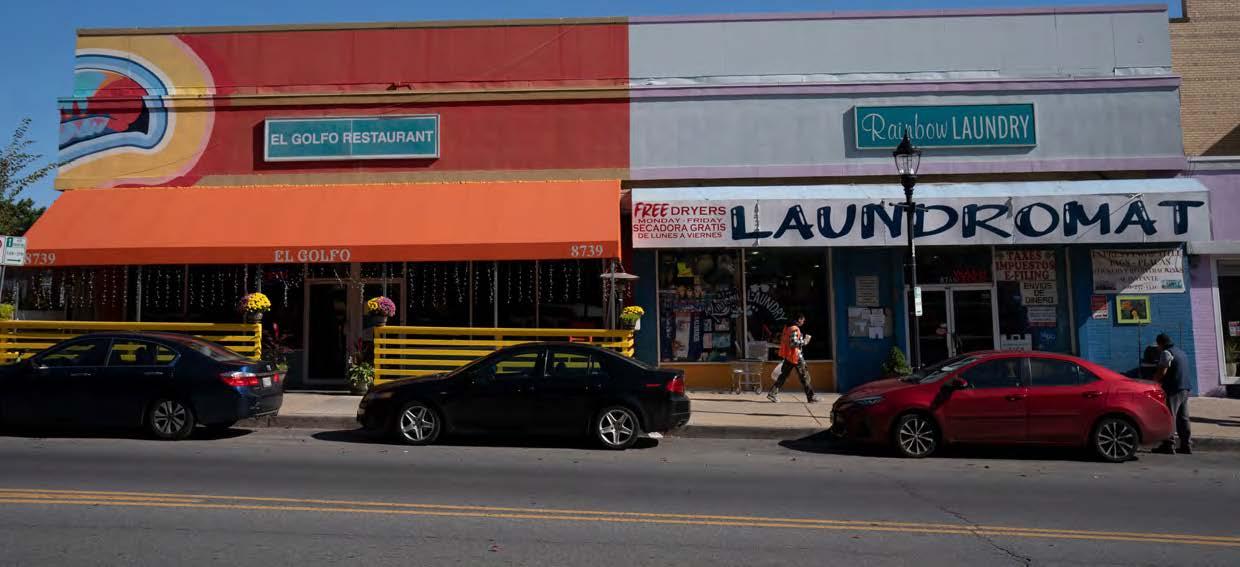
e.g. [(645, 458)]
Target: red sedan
[(1007, 398)]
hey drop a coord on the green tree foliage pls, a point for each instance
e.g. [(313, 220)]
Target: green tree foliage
[(19, 169)]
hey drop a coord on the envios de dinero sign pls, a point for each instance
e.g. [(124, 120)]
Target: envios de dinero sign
[(946, 126), (351, 138)]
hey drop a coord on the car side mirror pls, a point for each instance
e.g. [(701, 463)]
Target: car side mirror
[(958, 383)]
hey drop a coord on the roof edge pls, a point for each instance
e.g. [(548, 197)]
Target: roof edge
[(606, 20), (96, 32)]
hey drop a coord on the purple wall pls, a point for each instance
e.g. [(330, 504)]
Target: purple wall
[(1224, 202), (1205, 328), (1224, 210)]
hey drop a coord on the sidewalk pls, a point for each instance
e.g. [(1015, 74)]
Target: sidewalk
[(1216, 421)]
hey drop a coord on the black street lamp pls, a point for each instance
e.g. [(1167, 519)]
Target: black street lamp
[(908, 158)]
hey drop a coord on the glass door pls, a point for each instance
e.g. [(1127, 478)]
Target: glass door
[(1229, 319), (955, 320), (327, 332), (973, 320), (933, 328)]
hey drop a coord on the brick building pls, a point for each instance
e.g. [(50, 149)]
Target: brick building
[(1205, 52)]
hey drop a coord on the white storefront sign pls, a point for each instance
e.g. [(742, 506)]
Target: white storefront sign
[(998, 214), (14, 250), (1138, 271), (1039, 293)]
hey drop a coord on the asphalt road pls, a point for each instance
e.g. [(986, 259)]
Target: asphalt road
[(290, 497)]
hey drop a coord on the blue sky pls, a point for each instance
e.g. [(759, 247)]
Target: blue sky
[(36, 45)]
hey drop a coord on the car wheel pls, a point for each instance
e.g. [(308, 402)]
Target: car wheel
[(170, 419), (1115, 440), (617, 428), (418, 424), (916, 436)]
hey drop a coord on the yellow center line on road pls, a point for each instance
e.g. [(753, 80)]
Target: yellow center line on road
[(165, 500)]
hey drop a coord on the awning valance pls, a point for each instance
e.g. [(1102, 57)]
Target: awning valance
[(359, 223)]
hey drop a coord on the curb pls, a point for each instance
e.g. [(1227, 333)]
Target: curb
[(743, 432), (338, 422), (333, 423)]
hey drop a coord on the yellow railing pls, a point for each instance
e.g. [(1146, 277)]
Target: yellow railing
[(20, 339), (419, 351)]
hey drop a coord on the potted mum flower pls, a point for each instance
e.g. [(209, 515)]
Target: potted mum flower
[(253, 306), (378, 309), (631, 317)]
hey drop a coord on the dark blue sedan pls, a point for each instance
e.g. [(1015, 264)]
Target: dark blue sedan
[(164, 382)]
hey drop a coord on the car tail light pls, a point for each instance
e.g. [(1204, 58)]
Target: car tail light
[(676, 385), (275, 378), (1157, 394), (239, 379)]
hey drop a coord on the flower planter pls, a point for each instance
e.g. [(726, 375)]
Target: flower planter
[(376, 320), (253, 317)]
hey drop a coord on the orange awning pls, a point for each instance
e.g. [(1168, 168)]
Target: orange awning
[(363, 223)]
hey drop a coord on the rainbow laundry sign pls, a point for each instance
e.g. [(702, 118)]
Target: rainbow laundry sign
[(351, 138), (948, 126)]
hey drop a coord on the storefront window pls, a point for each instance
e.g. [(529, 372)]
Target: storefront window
[(699, 305), (570, 294), (1229, 309), (439, 295), (517, 294), (953, 265), (1032, 300), (781, 284)]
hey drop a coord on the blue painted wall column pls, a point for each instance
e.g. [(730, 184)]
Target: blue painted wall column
[(1119, 347), (646, 294), (858, 359)]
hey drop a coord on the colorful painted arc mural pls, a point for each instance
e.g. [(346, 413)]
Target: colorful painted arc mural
[(118, 124)]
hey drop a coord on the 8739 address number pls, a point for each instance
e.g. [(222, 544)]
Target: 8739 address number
[(586, 250), (40, 258)]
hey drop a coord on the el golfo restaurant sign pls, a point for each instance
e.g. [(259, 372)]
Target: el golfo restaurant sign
[(1059, 219)]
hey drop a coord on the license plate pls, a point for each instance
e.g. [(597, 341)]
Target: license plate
[(266, 381)]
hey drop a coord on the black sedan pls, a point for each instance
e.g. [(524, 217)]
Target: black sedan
[(164, 382), (558, 388)]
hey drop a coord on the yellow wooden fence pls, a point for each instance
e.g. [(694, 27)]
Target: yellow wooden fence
[(20, 339), (419, 351)]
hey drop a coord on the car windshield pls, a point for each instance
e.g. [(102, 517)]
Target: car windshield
[(940, 370), (208, 349)]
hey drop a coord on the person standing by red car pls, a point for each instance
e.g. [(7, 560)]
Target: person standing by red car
[(790, 344), (1176, 376)]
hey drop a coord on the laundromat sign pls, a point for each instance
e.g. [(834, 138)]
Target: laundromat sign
[(949, 126), (1050, 219), (364, 137)]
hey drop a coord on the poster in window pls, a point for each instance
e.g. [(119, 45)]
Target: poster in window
[(1132, 309), (1138, 271)]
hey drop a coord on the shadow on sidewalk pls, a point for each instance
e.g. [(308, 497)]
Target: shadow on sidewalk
[(499, 441), (826, 444), (1219, 422), (200, 434)]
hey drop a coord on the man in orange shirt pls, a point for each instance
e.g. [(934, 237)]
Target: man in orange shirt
[(790, 344)]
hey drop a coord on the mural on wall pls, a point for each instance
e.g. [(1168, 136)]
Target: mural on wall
[(117, 128)]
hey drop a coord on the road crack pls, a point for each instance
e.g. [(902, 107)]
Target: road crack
[(975, 528)]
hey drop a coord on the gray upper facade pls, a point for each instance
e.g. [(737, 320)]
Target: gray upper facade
[(772, 96)]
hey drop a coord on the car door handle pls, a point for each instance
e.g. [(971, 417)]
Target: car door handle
[(79, 374), (1091, 394), (1015, 397), (153, 373)]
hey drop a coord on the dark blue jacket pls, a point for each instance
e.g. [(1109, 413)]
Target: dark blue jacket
[(1180, 375)]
